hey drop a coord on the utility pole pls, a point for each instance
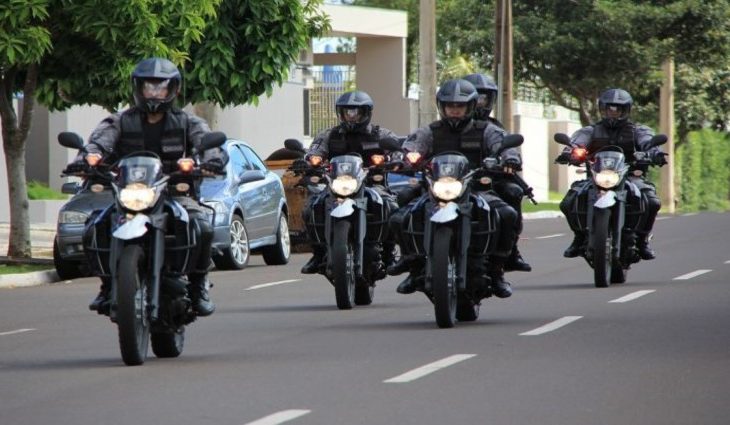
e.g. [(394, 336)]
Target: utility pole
[(666, 126), (503, 62), (427, 62)]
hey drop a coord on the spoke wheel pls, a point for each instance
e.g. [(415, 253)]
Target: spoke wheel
[(132, 320), (444, 278), (343, 266)]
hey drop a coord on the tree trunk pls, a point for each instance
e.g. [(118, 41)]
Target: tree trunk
[(208, 112)]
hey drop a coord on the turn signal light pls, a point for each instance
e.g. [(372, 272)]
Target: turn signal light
[(377, 159), (579, 153), (185, 164), (413, 157)]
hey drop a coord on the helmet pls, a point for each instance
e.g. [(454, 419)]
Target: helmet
[(155, 74), (457, 91), (487, 89), (615, 98), (354, 109)]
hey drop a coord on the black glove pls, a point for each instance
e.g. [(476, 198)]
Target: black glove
[(563, 158), (299, 166), (513, 163), (658, 158), (77, 167), (214, 166)]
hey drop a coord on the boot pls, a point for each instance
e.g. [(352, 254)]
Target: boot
[(103, 298), (516, 263), (642, 245), (500, 287), (388, 254), (576, 247), (198, 293), (401, 266), (315, 263), (410, 284)]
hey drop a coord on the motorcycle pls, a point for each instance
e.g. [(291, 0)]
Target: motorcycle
[(609, 206), (144, 242), (354, 221), (455, 220)]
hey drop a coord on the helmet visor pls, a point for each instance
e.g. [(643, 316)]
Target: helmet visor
[(155, 89)]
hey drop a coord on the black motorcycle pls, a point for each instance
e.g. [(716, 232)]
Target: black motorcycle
[(353, 224), (609, 206), (144, 243), (452, 220)]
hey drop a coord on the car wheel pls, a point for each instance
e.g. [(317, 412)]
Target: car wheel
[(279, 253), (236, 256), (66, 270)]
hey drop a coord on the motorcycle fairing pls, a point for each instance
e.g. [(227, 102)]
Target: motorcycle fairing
[(607, 200), (345, 209)]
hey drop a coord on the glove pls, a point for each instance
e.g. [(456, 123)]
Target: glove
[(563, 158), (77, 167), (299, 166), (214, 166), (513, 163), (658, 158)]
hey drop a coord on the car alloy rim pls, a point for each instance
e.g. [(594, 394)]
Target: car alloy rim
[(239, 242), (284, 236)]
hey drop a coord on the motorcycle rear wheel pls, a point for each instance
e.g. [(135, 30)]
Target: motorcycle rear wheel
[(602, 243), (443, 275), (132, 321), (343, 265)]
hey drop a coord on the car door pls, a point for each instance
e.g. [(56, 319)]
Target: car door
[(247, 194), (271, 193)]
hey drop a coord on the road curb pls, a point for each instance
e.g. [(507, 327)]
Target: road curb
[(542, 214), (20, 280)]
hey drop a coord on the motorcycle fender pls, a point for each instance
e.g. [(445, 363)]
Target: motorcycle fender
[(345, 209), (607, 200), (634, 189), (445, 214), (133, 228), (374, 196)]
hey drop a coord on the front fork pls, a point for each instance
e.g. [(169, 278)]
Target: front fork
[(358, 218), (618, 217), (462, 235)]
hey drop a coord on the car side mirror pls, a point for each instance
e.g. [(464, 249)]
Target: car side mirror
[(70, 188), (70, 140), (249, 176)]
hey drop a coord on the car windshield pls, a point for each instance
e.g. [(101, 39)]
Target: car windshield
[(139, 169)]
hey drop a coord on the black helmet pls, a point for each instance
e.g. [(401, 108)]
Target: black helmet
[(615, 98), (457, 91), (354, 101), (487, 89), (159, 72)]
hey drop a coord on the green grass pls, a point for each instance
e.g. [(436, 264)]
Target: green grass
[(23, 268), (38, 191), (527, 206)]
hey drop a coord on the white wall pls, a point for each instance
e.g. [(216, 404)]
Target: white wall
[(534, 150)]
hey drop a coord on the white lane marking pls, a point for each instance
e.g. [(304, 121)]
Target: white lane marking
[(666, 217), (264, 285), (691, 275), (689, 214), (280, 417), (727, 262), (632, 296), (557, 235), (422, 371), (552, 325), (17, 331)]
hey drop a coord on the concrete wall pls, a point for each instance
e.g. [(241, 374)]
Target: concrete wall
[(561, 176)]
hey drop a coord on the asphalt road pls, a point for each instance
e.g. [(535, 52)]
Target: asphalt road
[(655, 350)]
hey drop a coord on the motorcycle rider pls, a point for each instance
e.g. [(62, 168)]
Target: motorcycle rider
[(154, 124), (476, 139), (354, 134), (505, 187), (616, 128)]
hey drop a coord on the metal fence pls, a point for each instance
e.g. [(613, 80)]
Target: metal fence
[(329, 83)]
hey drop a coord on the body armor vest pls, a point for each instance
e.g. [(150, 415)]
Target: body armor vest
[(172, 145), (623, 137), (470, 142), (342, 143)]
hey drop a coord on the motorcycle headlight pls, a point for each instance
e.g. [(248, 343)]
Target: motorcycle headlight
[(606, 179), (72, 217), (344, 185), (221, 211), (137, 197), (447, 188)]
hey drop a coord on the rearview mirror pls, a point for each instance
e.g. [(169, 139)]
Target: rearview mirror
[(390, 144), (212, 140), (294, 145), (562, 138), (658, 140), (70, 140), (70, 188), (511, 141)]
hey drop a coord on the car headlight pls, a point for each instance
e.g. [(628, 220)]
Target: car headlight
[(221, 210), (606, 179), (137, 197), (447, 188), (72, 217), (344, 185)]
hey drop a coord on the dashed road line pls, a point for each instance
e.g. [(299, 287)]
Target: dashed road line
[(266, 285), (632, 296), (280, 417), (691, 275), (430, 368), (557, 324), (557, 235), (17, 331)]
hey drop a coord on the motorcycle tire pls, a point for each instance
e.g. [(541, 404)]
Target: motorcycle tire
[(343, 265), (131, 312), (467, 310), (602, 243), (168, 344), (443, 274)]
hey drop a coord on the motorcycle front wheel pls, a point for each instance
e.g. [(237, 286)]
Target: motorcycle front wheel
[(443, 274), (343, 265), (168, 344), (132, 320), (602, 242)]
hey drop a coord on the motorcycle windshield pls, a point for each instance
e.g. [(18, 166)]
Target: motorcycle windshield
[(144, 170), (449, 165), (608, 160), (346, 165)]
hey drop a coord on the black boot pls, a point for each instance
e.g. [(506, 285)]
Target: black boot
[(576, 247), (198, 293), (315, 264), (515, 262), (401, 266), (500, 287), (410, 284), (102, 299), (642, 245), (388, 254)]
